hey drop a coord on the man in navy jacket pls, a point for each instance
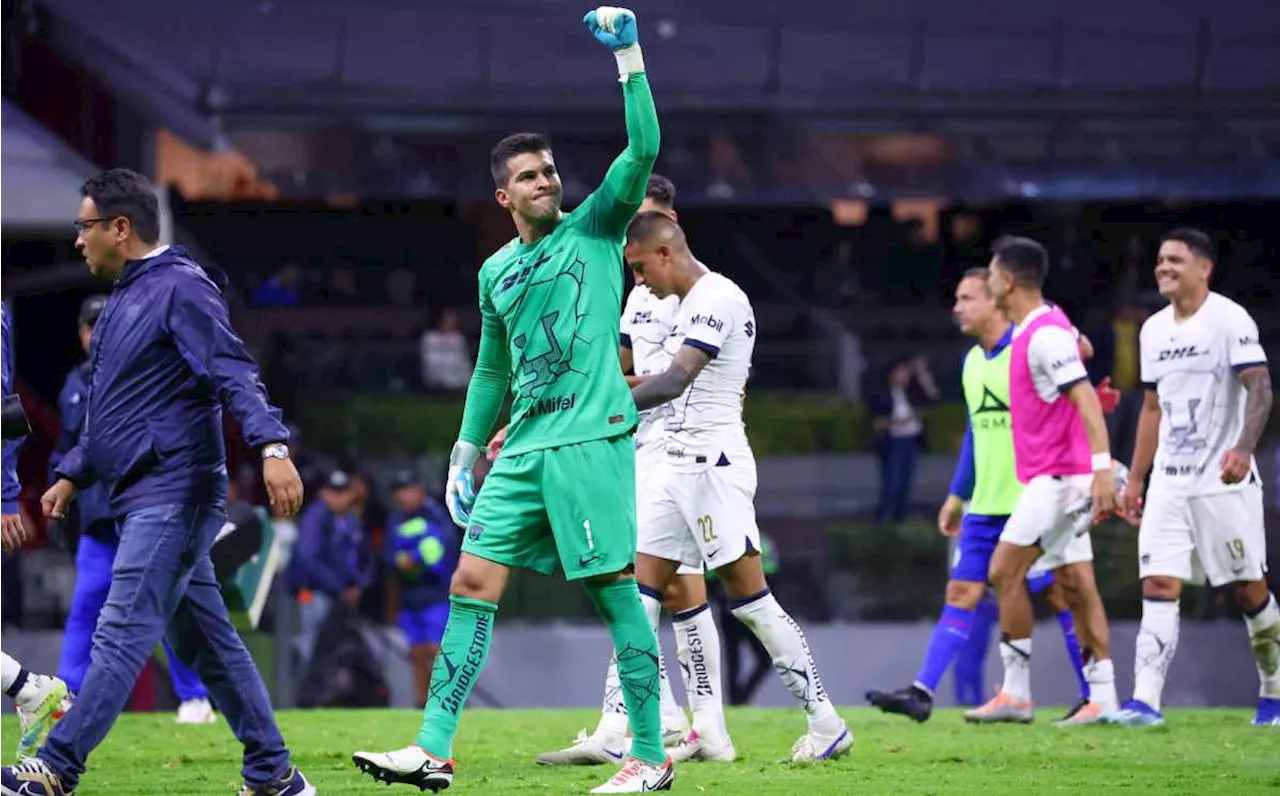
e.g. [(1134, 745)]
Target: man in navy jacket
[(97, 548), (164, 361)]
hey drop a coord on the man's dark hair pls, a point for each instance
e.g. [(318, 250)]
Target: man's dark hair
[(1025, 259), (121, 192), (661, 190), (509, 147), (1198, 242), (648, 224)]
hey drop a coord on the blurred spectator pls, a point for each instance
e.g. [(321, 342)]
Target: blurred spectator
[(422, 546), (280, 289), (836, 280), (1071, 271), (446, 361), (898, 425), (332, 558), (402, 288)]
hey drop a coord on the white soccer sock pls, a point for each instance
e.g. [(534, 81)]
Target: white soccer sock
[(672, 716), (1154, 649), (10, 670), (1016, 655), (786, 644), (698, 651), (1264, 635), (1101, 677), (613, 713)]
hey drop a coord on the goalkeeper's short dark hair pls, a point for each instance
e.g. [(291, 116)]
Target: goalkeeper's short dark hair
[(661, 190), (509, 147), (1024, 258)]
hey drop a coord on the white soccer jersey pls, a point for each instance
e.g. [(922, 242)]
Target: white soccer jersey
[(715, 316), (646, 324), (1192, 366)]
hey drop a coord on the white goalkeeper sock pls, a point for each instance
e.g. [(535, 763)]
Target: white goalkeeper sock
[(1154, 649), (698, 651), (786, 644), (1264, 635)]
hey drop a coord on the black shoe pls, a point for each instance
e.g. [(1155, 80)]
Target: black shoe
[(291, 784), (1076, 708), (910, 701)]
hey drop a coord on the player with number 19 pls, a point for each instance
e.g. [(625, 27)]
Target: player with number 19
[(563, 491), (1208, 396)]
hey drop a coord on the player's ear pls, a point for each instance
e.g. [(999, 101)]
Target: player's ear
[(504, 201)]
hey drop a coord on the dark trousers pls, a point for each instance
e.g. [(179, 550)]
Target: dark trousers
[(162, 577), (897, 474)]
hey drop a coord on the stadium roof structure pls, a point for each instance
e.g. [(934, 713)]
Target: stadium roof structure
[(42, 175), (1171, 81)]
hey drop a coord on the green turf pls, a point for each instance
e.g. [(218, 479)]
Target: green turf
[(1212, 752)]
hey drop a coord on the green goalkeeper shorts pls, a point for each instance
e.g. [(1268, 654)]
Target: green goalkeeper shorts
[(575, 504)]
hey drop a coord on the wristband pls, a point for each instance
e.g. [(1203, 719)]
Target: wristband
[(464, 454), (1101, 461), (630, 61)]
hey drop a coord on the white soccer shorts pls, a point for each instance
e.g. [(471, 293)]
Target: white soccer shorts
[(1219, 537), (1053, 515), (699, 509), (650, 458)]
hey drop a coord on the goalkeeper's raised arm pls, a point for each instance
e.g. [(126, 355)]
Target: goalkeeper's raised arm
[(614, 204)]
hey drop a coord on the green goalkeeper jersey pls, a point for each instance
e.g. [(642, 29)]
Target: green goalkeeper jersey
[(550, 312)]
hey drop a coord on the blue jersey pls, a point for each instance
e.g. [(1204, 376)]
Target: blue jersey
[(423, 547)]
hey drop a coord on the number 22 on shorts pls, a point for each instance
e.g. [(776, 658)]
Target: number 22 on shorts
[(708, 528)]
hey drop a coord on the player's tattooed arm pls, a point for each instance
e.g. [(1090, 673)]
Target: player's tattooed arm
[(1257, 406), (672, 382)]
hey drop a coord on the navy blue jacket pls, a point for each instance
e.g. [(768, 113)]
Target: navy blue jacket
[(332, 551), (92, 503), (9, 486), (164, 360), (423, 547)]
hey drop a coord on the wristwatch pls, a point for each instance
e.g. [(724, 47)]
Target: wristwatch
[(275, 450)]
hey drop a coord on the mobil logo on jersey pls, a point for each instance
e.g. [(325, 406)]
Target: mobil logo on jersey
[(710, 321)]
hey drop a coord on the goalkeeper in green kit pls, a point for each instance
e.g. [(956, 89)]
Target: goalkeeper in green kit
[(563, 489)]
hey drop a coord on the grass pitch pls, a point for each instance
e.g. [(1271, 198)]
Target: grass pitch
[(1199, 752)]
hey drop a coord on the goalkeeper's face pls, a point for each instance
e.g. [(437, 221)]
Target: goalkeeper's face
[(533, 188)]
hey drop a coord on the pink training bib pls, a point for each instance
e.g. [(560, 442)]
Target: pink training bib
[(1048, 437)]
